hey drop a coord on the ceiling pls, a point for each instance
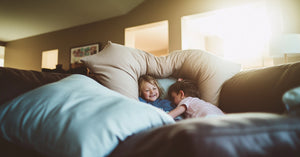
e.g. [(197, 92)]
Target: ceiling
[(24, 18)]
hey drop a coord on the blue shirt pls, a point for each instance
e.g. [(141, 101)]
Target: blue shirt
[(163, 104)]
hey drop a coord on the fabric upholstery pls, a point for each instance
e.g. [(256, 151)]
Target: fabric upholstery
[(259, 90), (14, 82), (238, 135), (118, 68)]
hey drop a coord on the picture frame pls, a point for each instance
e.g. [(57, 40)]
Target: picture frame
[(81, 51)]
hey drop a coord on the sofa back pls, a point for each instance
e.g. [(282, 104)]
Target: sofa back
[(14, 82), (259, 90)]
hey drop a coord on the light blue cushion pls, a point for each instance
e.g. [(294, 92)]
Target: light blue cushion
[(165, 83), (291, 99), (75, 117)]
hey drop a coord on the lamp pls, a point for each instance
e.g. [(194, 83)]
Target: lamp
[(291, 46), (286, 45), (291, 43)]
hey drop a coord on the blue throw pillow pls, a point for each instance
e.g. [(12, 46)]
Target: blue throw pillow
[(75, 117), (291, 99), (165, 83)]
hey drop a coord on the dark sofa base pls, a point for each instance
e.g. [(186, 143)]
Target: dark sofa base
[(235, 135), (8, 149)]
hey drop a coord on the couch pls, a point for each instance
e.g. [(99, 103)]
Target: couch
[(52, 114)]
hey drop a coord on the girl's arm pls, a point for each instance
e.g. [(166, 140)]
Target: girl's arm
[(177, 111)]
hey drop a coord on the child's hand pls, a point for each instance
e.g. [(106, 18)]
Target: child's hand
[(179, 79)]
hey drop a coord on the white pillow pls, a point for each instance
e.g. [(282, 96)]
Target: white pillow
[(75, 117)]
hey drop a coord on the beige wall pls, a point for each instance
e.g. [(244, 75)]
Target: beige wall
[(159, 52), (27, 53)]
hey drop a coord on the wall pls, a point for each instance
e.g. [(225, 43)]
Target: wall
[(291, 16), (163, 52), (27, 53)]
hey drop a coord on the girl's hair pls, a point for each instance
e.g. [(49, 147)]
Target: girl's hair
[(150, 79), (187, 86)]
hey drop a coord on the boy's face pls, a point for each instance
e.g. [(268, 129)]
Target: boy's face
[(149, 91), (176, 97)]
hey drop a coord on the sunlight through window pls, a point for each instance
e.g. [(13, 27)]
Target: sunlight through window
[(2, 49), (49, 59), (240, 34)]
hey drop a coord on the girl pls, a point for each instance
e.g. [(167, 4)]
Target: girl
[(185, 95), (150, 92)]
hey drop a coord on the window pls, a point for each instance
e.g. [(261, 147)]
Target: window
[(2, 50), (240, 34), (49, 59), (152, 38)]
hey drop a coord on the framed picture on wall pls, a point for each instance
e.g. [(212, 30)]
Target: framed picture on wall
[(78, 52)]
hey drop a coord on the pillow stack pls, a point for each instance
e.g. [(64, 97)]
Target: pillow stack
[(118, 67)]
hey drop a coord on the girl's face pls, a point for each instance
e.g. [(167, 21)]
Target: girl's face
[(177, 97), (149, 91)]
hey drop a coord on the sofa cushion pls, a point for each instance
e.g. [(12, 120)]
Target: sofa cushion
[(291, 100), (14, 82), (246, 134), (164, 84), (259, 90), (118, 67)]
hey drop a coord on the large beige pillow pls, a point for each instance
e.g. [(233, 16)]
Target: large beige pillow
[(118, 68), (207, 70)]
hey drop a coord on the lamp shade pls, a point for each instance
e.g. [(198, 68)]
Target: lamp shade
[(291, 43), (284, 44)]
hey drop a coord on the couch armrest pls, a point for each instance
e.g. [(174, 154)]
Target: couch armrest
[(259, 90)]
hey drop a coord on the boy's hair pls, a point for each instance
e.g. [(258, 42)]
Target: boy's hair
[(151, 80), (187, 86)]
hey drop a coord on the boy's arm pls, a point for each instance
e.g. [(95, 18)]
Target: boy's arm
[(177, 111)]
